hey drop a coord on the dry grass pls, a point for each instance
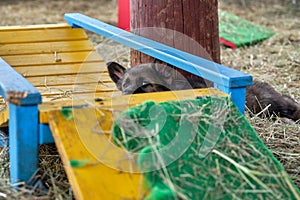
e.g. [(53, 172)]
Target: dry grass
[(276, 60)]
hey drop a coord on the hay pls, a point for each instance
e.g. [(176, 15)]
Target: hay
[(54, 180), (201, 149), (275, 61)]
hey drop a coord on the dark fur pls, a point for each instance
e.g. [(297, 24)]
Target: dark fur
[(154, 77), (260, 95)]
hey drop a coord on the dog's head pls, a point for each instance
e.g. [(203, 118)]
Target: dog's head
[(152, 77), (149, 77)]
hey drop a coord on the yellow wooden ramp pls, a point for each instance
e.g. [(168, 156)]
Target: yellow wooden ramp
[(58, 60), (83, 136), (95, 180)]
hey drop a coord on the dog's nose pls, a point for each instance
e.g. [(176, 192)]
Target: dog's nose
[(125, 93)]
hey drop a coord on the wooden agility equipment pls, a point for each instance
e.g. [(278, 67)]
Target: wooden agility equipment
[(47, 68)]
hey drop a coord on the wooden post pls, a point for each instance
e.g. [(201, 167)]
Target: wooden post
[(195, 25)]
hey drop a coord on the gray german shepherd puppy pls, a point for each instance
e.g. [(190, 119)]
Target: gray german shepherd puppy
[(155, 77)]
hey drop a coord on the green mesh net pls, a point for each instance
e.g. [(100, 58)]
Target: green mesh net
[(200, 149), (240, 31)]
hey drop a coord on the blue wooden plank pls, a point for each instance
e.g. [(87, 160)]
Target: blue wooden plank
[(212, 71), (23, 142), (15, 88), (45, 134)]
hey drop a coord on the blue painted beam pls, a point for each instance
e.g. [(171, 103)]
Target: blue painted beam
[(15, 88), (221, 75)]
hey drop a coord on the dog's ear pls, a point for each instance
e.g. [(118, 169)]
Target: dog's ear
[(116, 71)]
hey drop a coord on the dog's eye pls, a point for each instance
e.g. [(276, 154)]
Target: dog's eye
[(145, 82)]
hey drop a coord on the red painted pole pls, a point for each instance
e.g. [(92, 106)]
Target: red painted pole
[(124, 14)]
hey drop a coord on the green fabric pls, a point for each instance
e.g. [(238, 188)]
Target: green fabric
[(67, 113), (202, 149), (240, 31)]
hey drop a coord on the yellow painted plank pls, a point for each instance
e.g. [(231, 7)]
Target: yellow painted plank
[(47, 59), (57, 69), (131, 100), (76, 140), (59, 79), (89, 96), (115, 99), (83, 96), (34, 27), (56, 102), (41, 35), (57, 105), (45, 47), (75, 89)]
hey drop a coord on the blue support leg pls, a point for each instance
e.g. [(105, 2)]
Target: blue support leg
[(238, 96), (45, 134), (23, 142)]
